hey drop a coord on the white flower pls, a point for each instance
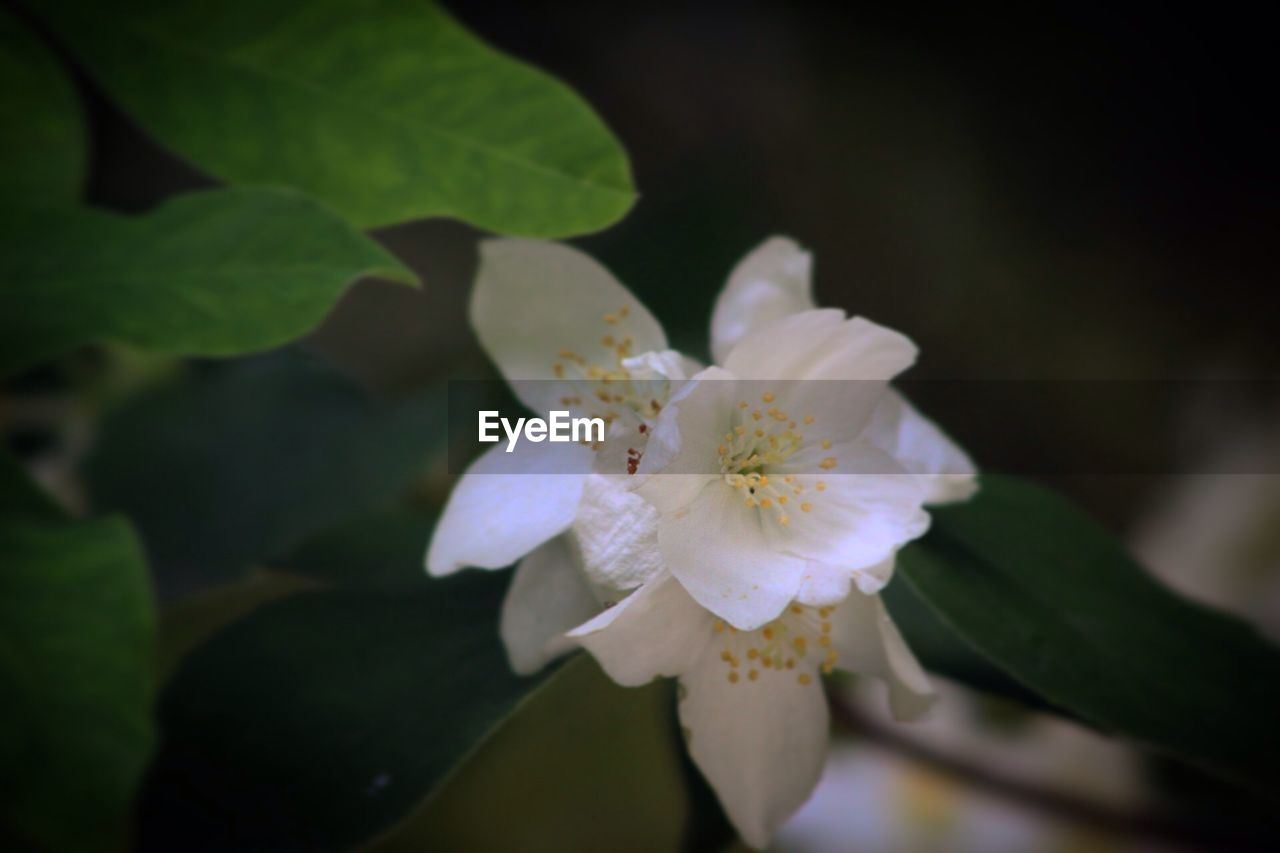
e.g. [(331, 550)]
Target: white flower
[(557, 325), (751, 704), (555, 322), (792, 471), (729, 559)]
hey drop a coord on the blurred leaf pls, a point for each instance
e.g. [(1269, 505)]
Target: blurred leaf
[(386, 110), (1047, 594), (185, 624), (322, 719), (605, 760), (75, 666), (22, 498), (385, 548), (213, 273), (255, 457), (42, 144)]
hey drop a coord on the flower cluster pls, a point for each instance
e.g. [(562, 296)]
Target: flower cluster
[(735, 527)]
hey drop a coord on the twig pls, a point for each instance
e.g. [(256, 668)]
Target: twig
[(1183, 833)]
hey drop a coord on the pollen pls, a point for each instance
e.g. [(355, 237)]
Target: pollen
[(782, 646), (827, 463), (766, 397), (806, 507)]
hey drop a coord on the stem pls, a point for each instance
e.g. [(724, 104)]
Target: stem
[(1186, 834)]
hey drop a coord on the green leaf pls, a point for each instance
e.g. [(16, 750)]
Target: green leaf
[(187, 624), (75, 676), (386, 110), (607, 762), (321, 720), (212, 273), (42, 151), (943, 652), (383, 548), (258, 456), (1047, 594)]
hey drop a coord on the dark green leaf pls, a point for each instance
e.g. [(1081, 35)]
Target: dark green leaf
[(75, 676), (383, 548), (42, 158), (943, 652), (320, 720), (251, 458), (1047, 594), (186, 624), (387, 110), (606, 758), (212, 273)]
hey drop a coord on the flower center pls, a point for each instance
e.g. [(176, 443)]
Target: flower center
[(763, 439), (604, 387), (799, 640)]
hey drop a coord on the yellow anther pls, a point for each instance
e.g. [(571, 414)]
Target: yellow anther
[(808, 419), (740, 430), (803, 678), (767, 632), (759, 433), (624, 311), (751, 503), (559, 370), (753, 653), (791, 663), (782, 500), (806, 507), (719, 626), (797, 609), (826, 627), (726, 655), (820, 486), (766, 398), (733, 676), (611, 319), (756, 415), (753, 674), (800, 644), (784, 520), (743, 404), (765, 503), (824, 640), (826, 444)]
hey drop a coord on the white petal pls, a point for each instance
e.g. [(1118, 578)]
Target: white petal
[(617, 535), (507, 504), (869, 644), (899, 429), (547, 597), (534, 299), (682, 455), (658, 630), (770, 283), (760, 744), (869, 507), (716, 548), (821, 344), (825, 585), (667, 364)]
